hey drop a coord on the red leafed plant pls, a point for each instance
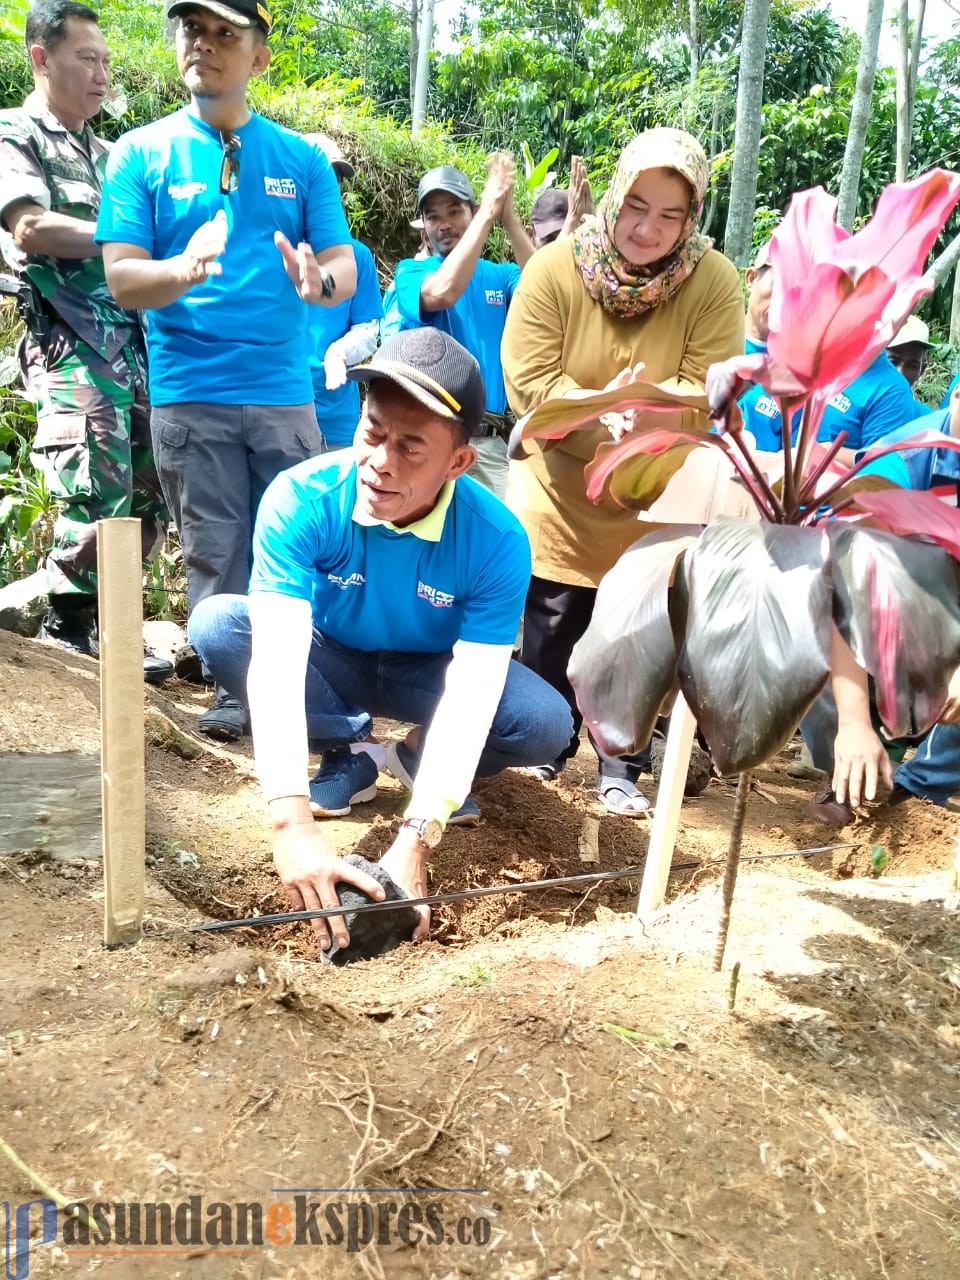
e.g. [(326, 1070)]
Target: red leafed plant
[(737, 615)]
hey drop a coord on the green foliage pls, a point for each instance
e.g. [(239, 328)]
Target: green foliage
[(13, 15)]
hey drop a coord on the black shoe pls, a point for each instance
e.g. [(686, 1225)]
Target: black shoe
[(71, 622), (155, 670), (226, 719)]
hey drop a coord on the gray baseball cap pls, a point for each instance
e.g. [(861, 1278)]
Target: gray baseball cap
[(445, 178)]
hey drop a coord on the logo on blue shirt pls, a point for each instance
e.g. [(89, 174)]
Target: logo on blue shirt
[(439, 599), (840, 402), (495, 297), (354, 580), (186, 190), (286, 188)]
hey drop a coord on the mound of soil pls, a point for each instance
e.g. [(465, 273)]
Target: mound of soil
[(582, 1084)]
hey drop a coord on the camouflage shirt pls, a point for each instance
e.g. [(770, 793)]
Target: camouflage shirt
[(42, 161)]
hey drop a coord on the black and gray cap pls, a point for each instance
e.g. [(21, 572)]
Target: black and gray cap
[(445, 178), (433, 368)]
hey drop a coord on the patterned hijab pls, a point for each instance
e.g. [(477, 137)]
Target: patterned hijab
[(622, 287)]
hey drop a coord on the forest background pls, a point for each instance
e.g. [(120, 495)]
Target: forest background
[(803, 95)]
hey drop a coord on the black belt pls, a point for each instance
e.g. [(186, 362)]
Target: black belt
[(496, 424)]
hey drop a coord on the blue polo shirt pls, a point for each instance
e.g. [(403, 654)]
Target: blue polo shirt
[(241, 337), (338, 411), (761, 413), (461, 573), (476, 319), (873, 405), (924, 467)]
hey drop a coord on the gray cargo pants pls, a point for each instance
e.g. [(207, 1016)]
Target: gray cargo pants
[(214, 462)]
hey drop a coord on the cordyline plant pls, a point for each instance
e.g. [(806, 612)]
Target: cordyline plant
[(737, 615)]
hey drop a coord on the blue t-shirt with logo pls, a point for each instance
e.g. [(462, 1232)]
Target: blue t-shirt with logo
[(924, 467), (873, 405), (761, 413), (240, 337), (373, 587), (476, 320), (338, 411)]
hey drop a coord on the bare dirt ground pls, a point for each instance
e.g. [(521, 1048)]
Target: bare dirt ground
[(570, 1077)]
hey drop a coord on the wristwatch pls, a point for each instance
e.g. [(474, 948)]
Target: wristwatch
[(429, 830), (328, 286)]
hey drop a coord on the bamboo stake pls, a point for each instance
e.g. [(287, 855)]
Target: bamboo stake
[(733, 863), (119, 571)]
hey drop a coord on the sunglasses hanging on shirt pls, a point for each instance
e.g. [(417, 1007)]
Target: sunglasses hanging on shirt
[(230, 168)]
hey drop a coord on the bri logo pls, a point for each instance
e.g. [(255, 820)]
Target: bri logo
[(840, 402), (439, 599), (354, 580), (285, 188), (495, 297)]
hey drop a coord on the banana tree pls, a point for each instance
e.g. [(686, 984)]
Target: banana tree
[(737, 615)]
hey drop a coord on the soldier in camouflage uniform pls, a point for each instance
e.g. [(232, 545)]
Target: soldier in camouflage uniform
[(84, 361)]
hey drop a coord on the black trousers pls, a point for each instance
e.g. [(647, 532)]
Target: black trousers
[(555, 617)]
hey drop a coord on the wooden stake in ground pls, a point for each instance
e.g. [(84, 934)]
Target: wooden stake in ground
[(733, 863), (119, 572), (666, 817)]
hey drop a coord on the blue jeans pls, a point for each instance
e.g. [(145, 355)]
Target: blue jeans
[(345, 688), (934, 772)]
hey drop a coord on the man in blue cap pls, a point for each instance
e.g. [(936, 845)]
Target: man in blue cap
[(458, 290), (386, 582)]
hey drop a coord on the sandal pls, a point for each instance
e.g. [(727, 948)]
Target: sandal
[(620, 795), (545, 772)]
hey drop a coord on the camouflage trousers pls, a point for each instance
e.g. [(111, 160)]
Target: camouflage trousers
[(93, 451)]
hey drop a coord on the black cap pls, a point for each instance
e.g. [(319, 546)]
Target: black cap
[(242, 13), (549, 212), (433, 368), (445, 178)]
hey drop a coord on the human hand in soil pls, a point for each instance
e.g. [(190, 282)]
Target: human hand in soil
[(310, 874), (406, 864), (860, 759)]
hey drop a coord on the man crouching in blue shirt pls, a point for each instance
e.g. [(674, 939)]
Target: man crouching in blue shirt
[(389, 584)]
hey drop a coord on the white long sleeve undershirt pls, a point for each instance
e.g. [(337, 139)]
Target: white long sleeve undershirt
[(276, 683)]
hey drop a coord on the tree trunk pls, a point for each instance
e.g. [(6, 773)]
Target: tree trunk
[(915, 54), (707, 220), (955, 311), (903, 90), (693, 35), (414, 45), (860, 116), (423, 68), (941, 267), (743, 182)]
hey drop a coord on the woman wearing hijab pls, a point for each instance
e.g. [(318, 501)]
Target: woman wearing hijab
[(638, 285)]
